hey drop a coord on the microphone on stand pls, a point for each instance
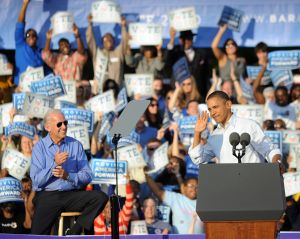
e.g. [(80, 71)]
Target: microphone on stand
[(234, 140), (245, 141)]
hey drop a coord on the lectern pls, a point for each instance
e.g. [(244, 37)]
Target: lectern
[(240, 201)]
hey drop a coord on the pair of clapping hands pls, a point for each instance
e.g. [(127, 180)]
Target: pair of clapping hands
[(58, 171)]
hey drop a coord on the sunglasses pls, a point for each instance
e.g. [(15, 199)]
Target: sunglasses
[(229, 45), (59, 124)]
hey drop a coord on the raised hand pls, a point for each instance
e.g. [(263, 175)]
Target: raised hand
[(90, 18), (172, 33), (123, 21), (201, 123), (75, 30), (49, 34)]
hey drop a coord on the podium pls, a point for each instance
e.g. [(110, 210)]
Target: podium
[(240, 201)]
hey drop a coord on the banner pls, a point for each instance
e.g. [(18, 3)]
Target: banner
[(52, 86), (81, 134), (79, 117), (187, 124), (4, 112), (282, 77), (30, 75), (60, 104), (18, 101), (122, 100), (70, 96), (16, 163), (100, 68), (181, 70), (253, 71), (104, 171), (62, 22), (291, 136), (138, 227), (106, 11), (4, 68), (106, 124), (183, 19), (291, 183), (284, 60), (276, 137), (139, 84), (254, 112), (145, 34), (20, 128), (36, 105), (10, 189), (232, 17), (247, 91), (163, 213), (132, 155), (104, 102), (160, 158)]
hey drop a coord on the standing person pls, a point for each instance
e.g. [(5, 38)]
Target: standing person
[(59, 170), (27, 52), (217, 145), (228, 56), (67, 64)]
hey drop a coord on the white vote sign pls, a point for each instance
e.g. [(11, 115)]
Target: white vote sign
[(102, 103), (70, 96), (138, 227), (36, 105), (4, 111), (31, 75), (132, 155), (100, 68), (81, 134), (254, 112), (139, 84), (160, 157), (4, 68), (106, 11), (62, 22), (16, 163), (291, 183), (183, 19), (142, 34)]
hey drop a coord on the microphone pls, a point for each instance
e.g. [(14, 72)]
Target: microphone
[(234, 139), (245, 139)]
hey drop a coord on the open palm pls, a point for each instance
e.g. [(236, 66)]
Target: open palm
[(201, 122)]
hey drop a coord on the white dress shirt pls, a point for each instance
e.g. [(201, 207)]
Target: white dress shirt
[(218, 144)]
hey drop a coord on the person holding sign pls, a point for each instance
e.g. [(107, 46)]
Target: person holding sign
[(27, 52), (67, 64), (6, 85), (227, 56), (59, 171), (115, 55), (217, 145)]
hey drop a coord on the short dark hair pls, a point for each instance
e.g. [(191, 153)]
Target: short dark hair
[(220, 94), (63, 40), (31, 30), (282, 87), (261, 46), (187, 180)]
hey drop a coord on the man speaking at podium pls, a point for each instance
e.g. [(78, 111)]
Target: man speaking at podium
[(225, 141)]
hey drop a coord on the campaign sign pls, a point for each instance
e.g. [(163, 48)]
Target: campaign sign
[(62, 22), (291, 136), (106, 11), (145, 34), (291, 183), (187, 124), (4, 112), (36, 105), (284, 60), (254, 112), (81, 134), (52, 87), (104, 171), (70, 95), (122, 100), (79, 117), (4, 67), (276, 137), (64, 104), (16, 163), (10, 189), (232, 17), (29, 76), (100, 68), (138, 227), (247, 90), (132, 155), (181, 70), (166, 120), (104, 102), (183, 19), (106, 124), (160, 157), (163, 213), (253, 71), (139, 84), (18, 101), (21, 128), (282, 77)]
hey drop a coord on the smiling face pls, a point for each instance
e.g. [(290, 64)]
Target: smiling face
[(57, 127), (230, 47), (31, 38), (219, 109), (149, 208), (26, 145), (191, 188), (64, 47)]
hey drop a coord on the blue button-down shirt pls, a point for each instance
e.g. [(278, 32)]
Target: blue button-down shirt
[(43, 163)]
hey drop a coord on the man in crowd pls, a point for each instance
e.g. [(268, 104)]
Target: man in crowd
[(59, 170), (218, 145)]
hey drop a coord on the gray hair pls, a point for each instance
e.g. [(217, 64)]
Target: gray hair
[(49, 114)]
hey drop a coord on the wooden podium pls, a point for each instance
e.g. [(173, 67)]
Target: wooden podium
[(240, 201)]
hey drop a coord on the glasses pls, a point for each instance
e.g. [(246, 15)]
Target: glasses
[(59, 124), (229, 45), (33, 35)]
